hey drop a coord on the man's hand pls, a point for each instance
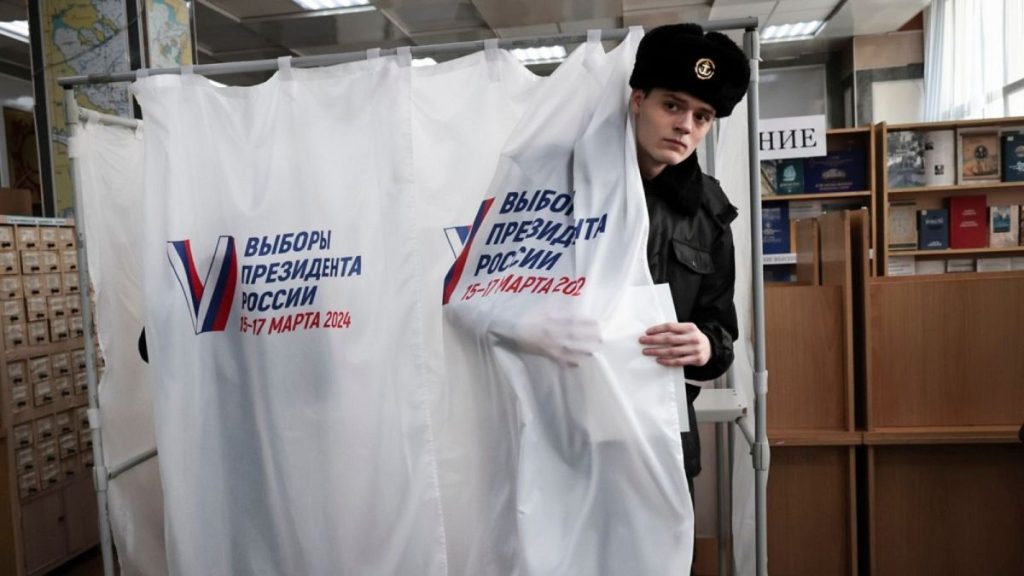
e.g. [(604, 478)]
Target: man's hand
[(677, 344)]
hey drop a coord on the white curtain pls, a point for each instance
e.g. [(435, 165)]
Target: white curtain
[(575, 465), (732, 163), (248, 439), (282, 306), (109, 165), (973, 50)]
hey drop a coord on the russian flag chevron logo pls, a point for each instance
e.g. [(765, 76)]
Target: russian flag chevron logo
[(456, 236), (209, 300)]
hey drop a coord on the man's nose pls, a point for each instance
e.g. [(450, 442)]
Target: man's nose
[(684, 122)]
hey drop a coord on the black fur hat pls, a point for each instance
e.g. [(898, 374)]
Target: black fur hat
[(681, 57)]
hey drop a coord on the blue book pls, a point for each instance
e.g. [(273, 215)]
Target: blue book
[(839, 171), (775, 228), (1013, 157), (933, 229)]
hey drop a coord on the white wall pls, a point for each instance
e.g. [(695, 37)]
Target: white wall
[(796, 91)]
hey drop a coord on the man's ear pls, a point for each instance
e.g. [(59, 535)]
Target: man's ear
[(635, 98)]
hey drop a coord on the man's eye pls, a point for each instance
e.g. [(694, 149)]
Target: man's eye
[(671, 106)]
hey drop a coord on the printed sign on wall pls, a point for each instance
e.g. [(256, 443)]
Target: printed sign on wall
[(793, 137)]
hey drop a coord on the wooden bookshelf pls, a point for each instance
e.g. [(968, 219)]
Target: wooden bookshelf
[(1008, 122), (1007, 434), (962, 252), (977, 187), (863, 138), (997, 193), (782, 437), (826, 196)]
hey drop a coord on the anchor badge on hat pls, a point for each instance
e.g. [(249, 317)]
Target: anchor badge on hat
[(705, 68)]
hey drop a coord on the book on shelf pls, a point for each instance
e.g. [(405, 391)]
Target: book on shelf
[(789, 176), (1020, 228), (933, 229), (929, 267), (968, 226), (939, 158), (1016, 262), (1004, 226), (838, 171), (778, 274), (994, 264), (768, 177), (775, 228), (805, 209), (901, 266), (905, 161), (979, 157), (1013, 157), (960, 265), (903, 225)]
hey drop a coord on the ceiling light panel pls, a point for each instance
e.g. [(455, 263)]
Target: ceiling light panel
[(792, 32), (540, 54), (331, 4), (18, 29)]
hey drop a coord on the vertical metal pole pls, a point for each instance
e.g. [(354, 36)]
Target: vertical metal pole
[(193, 31), (724, 493), (760, 453), (99, 471)]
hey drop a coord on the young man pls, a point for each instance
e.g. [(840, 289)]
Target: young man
[(682, 80)]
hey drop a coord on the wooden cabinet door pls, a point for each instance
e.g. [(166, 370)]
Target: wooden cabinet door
[(80, 512), (42, 524)]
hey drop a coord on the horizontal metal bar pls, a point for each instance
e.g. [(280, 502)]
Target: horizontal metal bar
[(122, 467), (86, 115), (417, 52), (303, 14)]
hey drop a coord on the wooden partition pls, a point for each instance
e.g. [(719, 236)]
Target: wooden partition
[(945, 398), (808, 252), (810, 327), (804, 339), (811, 522), (947, 509), (947, 351)]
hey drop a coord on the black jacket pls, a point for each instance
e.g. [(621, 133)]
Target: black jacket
[(690, 247)]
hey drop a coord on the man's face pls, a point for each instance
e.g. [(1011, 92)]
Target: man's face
[(669, 127)]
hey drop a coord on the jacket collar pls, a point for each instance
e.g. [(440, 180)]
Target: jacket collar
[(685, 188), (681, 186)]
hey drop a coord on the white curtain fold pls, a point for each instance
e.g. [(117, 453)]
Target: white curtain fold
[(109, 167), (732, 162)]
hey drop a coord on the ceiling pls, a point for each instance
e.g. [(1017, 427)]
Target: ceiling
[(232, 30)]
